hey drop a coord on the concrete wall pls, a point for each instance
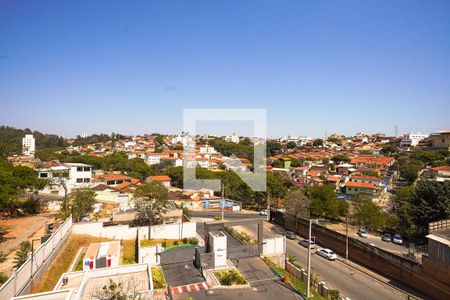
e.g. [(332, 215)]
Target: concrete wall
[(149, 254), (408, 272), (275, 245), (20, 279), (125, 232)]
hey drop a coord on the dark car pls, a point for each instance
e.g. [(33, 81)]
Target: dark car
[(290, 235), (387, 237)]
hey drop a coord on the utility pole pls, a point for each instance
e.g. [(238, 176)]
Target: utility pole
[(268, 206), (308, 284), (223, 199), (346, 237), (32, 255)]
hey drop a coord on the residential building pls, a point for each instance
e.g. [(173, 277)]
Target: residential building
[(66, 177), (232, 138), (354, 188), (441, 173), (163, 179), (28, 145), (412, 139), (441, 140)]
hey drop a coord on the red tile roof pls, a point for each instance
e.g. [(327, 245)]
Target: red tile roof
[(160, 178), (365, 185), (442, 168)]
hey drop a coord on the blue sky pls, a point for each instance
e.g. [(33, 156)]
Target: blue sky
[(133, 66)]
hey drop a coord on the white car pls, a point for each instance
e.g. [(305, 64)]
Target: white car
[(397, 239), (263, 213), (304, 243), (327, 253)]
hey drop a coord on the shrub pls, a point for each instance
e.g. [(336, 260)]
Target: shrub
[(334, 295), (176, 243), (185, 241), (2, 257), (22, 254), (217, 218), (193, 241), (3, 278), (230, 277), (158, 278), (164, 244)]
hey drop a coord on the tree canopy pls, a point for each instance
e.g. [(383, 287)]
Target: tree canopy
[(416, 206)]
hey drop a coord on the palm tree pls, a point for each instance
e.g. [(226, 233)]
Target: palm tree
[(22, 254)]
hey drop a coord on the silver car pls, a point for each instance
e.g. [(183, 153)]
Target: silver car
[(305, 243), (327, 253)]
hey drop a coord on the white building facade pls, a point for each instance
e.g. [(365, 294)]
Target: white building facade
[(28, 145), (412, 139)]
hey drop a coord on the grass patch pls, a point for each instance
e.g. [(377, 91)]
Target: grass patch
[(167, 243), (128, 252), (230, 277), (293, 281), (63, 260), (79, 265), (158, 278)]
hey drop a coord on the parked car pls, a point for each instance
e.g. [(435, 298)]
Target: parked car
[(290, 235), (386, 237), (327, 253), (305, 243), (263, 213), (397, 239), (362, 233)]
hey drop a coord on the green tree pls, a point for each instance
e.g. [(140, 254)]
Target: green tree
[(339, 158), (409, 169), (324, 202), (368, 214), (291, 145), (21, 255), (389, 149), (151, 201), (416, 206), (297, 203), (318, 142), (79, 202)]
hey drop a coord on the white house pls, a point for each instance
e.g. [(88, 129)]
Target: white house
[(232, 138), (70, 175), (412, 139), (28, 145)]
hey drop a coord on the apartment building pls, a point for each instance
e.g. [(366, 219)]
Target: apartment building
[(28, 145)]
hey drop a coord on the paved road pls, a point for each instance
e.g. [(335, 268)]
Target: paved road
[(352, 283)]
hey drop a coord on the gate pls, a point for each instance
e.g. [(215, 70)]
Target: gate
[(178, 254), (243, 251)]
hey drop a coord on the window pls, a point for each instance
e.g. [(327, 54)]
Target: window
[(87, 169), (87, 180), (79, 180), (79, 169), (43, 175)]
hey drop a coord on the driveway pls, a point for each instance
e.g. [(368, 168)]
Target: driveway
[(182, 274)]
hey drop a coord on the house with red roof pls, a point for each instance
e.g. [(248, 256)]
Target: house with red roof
[(163, 179)]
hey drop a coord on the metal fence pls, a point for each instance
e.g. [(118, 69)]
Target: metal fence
[(22, 276)]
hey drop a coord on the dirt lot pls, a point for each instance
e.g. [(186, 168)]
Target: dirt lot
[(21, 229)]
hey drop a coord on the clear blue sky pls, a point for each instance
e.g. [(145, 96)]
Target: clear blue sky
[(132, 66)]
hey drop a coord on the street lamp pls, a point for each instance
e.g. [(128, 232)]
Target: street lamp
[(32, 255), (308, 287)]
